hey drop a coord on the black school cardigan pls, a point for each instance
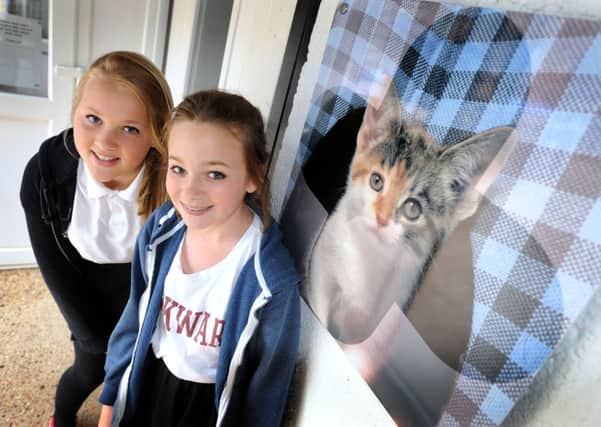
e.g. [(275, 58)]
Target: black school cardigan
[(90, 296)]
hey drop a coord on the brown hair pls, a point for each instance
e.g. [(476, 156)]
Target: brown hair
[(148, 84), (245, 122)]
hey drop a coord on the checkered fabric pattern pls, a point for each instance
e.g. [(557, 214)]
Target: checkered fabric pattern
[(537, 241)]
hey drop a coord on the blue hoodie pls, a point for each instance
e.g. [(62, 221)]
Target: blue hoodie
[(260, 337)]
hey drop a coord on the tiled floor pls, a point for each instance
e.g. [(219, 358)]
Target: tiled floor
[(34, 351)]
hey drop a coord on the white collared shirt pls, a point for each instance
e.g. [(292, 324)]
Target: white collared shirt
[(104, 223)]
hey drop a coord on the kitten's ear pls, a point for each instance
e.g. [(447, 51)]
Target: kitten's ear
[(383, 114), (474, 164)]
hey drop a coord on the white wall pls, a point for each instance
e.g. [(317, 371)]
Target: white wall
[(196, 45), (105, 25), (183, 17), (257, 39)]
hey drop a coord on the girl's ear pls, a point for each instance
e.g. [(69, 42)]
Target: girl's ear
[(251, 187), (253, 184)]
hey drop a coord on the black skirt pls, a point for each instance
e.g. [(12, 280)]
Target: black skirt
[(168, 401)]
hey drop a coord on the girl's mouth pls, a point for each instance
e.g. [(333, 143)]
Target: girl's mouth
[(196, 210), (105, 159)]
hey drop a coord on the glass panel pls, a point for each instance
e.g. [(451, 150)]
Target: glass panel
[(209, 46), (24, 47)]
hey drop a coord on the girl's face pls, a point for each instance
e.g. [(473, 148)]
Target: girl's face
[(207, 178), (112, 132)]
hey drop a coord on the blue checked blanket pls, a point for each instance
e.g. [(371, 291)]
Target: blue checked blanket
[(537, 245)]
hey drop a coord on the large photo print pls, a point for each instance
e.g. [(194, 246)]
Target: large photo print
[(444, 205)]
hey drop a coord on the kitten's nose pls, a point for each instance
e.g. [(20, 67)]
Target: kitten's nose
[(382, 220)]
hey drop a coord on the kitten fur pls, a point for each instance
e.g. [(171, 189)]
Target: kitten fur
[(404, 195)]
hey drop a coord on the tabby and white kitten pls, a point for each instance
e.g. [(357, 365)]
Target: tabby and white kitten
[(404, 194)]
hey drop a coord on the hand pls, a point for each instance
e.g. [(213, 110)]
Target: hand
[(106, 414)]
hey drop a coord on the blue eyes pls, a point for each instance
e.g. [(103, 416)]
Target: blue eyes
[(216, 176), (131, 130), (177, 170), (95, 120), (213, 175)]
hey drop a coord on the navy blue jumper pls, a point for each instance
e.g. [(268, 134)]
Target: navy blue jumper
[(260, 337)]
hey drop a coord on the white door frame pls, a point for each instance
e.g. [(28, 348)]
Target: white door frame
[(51, 111), (70, 48)]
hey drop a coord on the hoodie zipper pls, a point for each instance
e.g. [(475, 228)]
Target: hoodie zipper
[(249, 330), (124, 383), (150, 261), (236, 361), (56, 234)]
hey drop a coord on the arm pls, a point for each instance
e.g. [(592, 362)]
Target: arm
[(64, 280), (122, 340), (106, 414)]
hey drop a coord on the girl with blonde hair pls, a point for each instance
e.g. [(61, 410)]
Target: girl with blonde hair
[(86, 194)]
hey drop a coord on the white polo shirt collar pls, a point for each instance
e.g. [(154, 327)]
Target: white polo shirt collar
[(95, 190)]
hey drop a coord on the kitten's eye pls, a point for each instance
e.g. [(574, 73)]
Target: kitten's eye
[(93, 119), (412, 209), (376, 182)]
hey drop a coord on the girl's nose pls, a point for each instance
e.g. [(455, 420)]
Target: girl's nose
[(195, 185), (106, 140)]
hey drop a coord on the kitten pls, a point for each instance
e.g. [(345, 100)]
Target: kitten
[(404, 195)]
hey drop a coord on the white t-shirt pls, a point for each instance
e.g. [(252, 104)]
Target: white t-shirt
[(188, 331), (104, 223)]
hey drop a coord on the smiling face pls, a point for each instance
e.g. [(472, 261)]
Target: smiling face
[(207, 178), (111, 131)]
